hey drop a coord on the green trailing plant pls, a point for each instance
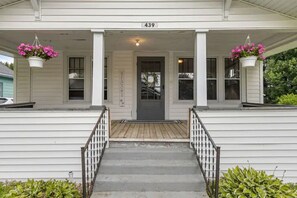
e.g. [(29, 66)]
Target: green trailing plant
[(40, 189), (250, 183), (288, 99)]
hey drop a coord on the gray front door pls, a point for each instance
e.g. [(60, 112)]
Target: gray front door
[(150, 88)]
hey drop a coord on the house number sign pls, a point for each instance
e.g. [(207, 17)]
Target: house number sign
[(149, 25)]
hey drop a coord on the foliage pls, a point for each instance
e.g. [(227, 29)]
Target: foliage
[(39, 189), (288, 99), (280, 75), (249, 183), (44, 52), (248, 50)]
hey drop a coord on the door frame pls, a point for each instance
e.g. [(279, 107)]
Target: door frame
[(166, 56)]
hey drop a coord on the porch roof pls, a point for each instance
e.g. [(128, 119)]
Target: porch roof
[(283, 7)]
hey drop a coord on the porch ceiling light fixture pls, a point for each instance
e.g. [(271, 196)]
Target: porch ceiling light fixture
[(137, 43), (180, 61)]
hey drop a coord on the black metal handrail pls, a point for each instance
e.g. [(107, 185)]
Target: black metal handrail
[(93, 151), (207, 153)]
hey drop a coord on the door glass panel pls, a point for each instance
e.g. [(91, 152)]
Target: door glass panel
[(150, 77)]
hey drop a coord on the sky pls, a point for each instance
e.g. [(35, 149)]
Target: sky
[(6, 59)]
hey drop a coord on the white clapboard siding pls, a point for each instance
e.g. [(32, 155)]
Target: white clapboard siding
[(46, 86), (43, 144), (135, 11), (122, 63), (254, 86), (264, 139)]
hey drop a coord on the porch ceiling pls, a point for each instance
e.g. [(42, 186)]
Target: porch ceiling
[(285, 7), (219, 42)]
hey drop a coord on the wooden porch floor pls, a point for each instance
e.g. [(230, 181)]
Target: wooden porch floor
[(149, 131)]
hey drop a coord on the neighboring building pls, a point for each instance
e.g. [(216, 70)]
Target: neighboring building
[(6, 81), (180, 61)]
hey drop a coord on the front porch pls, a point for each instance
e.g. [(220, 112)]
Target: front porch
[(166, 131)]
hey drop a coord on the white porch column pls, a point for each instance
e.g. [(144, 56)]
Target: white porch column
[(98, 68), (200, 69)]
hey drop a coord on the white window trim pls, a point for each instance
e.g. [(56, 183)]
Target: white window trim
[(68, 57), (176, 79), (87, 83)]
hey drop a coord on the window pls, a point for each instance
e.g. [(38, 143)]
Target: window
[(185, 79), (1, 89), (76, 78), (232, 79), (211, 78), (105, 79)]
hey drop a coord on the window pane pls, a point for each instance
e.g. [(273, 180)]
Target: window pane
[(186, 65), (186, 90), (76, 78), (211, 68), (211, 89), (105, 79), (232, 91), (76, 94), (186, 78), (76, 84), (231, 68)]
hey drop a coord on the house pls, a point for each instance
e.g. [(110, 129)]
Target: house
[(6, 81), (144, 60)]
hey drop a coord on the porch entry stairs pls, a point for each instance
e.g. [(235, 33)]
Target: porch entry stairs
[(150, 169)]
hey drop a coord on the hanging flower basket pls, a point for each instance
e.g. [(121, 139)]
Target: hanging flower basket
[(248, 54), (36, 53), (35, 61), (249, 61)]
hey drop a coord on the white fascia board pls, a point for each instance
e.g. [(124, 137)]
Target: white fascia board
[(222, 25)]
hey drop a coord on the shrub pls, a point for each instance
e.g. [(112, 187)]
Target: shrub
[(289, 99), (249, 183), (40, 189)]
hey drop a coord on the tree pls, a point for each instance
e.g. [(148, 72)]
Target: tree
[(280, 75)]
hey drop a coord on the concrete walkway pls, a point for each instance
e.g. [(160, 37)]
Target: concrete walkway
[(149, 171)]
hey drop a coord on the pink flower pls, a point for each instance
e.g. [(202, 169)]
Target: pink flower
[(45, 52)]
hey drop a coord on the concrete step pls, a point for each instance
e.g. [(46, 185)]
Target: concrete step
[(148, 187), (145, 170), (152, 145), (150, 170), (149, 195), (150, 155)]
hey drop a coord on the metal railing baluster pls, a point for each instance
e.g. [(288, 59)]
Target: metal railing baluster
[(207, 153)]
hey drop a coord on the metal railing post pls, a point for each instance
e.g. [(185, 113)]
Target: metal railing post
[(191, 127), (83, 167), (217, 172)]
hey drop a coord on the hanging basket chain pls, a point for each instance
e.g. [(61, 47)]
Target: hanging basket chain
[(248, 40), (36, 41)]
